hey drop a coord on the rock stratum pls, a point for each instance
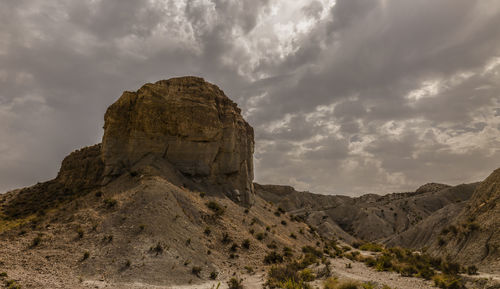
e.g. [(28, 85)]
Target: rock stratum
[(191, 124)]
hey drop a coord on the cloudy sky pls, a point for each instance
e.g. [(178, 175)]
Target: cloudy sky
[(346, 96)]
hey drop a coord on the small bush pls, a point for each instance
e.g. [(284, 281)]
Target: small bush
[(110, 203), (226, 238), (234, 283), (12, 284), (246, 244), (373, 247), (472, 270), (312, 250), (260, 236), (202, 194), (216, 208), (307, 275), (157, 249), (98, 194), (207, 231), (273, 258), (213, 275), (196, 270), (234, 247), (86, 255), (283, 222), (3, 274), (80, 232), (36, 241), (287, 252)]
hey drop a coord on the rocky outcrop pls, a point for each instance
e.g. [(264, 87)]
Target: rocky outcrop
[(191, 124), (81, 172), (82, 168)]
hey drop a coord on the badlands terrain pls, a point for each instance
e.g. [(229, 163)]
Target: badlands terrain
[(167, 200)]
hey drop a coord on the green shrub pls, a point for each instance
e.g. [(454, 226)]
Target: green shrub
[(196, 270), (110, 203), (36, 241), (373, 247), (234, 283), (472, 270), (86, 255), (307, 275), (273, 258), (226, 238), (246, 244), (447, 282), (312, 250), (287, 252), (12, 284), (80, 232), (260, 236), (213, 275), (157, 249), (216, 208)]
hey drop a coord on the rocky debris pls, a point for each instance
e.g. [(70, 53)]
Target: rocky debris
[(191, 124)]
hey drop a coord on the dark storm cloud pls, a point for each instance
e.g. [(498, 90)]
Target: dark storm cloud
[(360, 96)]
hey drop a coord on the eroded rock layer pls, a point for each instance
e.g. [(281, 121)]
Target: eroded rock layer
[(188, 122)]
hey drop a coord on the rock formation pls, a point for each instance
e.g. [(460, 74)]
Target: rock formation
[(188, 122)]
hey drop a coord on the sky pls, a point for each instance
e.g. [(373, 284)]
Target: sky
[(345, 97)]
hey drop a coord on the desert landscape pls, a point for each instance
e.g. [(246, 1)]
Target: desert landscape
[(167, 200), (250, 144)]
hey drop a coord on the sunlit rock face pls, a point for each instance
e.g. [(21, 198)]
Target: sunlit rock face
[(191, 124)]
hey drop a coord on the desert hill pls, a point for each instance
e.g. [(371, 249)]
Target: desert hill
[(167, 200), (369, 217)]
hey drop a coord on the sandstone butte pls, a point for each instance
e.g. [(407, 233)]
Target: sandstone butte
[(184, 129)]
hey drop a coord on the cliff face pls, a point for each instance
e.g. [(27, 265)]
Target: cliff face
[(191, 124)]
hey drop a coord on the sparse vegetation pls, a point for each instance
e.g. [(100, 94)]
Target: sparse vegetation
[(86, 255), (80, 232), (196, 270), (226, 238), (216, 208), (333, 283), (273, 258), (36, 241), (234, 283), (110, 203), (260, 236), (373, 247), (207, 231), (246, 244), (157, 249), (472, 270), (12, 284), (213, 275)]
